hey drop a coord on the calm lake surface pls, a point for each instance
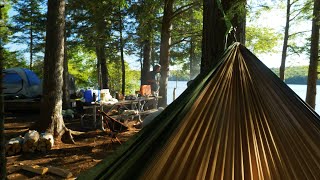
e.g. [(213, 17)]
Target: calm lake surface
[(299, 89)]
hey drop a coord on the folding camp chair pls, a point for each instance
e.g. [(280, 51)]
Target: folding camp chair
[(114, 126)]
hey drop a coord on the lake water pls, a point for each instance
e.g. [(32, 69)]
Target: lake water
[(299, 89)]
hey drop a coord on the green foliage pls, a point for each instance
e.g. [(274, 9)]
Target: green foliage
[(82, 65), (262, 39), (294, 74), (187, 38), (90, 22), (4, 30), (13, 59), (178, 75), (237, 9), (28, 24), (145, 17), (38, 67), (115, 74)]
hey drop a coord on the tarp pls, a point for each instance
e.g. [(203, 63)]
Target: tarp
[(240, 121), (21, 82)]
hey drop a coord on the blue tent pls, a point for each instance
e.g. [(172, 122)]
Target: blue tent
[(21, 82)]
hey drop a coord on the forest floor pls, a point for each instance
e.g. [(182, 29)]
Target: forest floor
[(90, 148)]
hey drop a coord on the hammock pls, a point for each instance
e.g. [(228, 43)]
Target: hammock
[(240, 121)]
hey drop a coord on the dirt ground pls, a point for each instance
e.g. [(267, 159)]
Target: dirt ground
[(90, 148)]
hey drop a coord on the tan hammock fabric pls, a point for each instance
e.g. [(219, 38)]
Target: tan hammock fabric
[(245, 123)]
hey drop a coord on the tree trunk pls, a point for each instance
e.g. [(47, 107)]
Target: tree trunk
[(214, 35), (146, 61), (192, 59), (165, 50), (66, 95), (3, 160), (241, 30), (99, 74), (238, 20), (31, 46), (51, 108), (123, 68), (153, 51), (314, 56), (192, 55), (285, 42), (101, 53)]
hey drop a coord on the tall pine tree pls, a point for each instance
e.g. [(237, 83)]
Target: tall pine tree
[(29, 26)]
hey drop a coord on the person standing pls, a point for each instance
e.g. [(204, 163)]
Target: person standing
[(153, 79)]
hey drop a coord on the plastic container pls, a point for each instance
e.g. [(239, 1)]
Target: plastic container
[(105, 95), (88, 96)]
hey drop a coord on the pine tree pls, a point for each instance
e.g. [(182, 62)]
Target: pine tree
[(29, 26)]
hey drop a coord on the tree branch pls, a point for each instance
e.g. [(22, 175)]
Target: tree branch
[(291, 19), (293, 50), (183, 9), (184, 39), (181, 40), (189, 34), (293, 34), (300, 10)]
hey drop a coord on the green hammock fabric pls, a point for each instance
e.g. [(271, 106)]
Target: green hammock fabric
[(238, 122)]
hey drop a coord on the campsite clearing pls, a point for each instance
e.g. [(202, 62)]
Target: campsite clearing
[(90, 149)]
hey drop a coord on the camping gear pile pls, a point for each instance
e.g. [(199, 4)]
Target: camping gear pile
[(239, 121), (31, 142)]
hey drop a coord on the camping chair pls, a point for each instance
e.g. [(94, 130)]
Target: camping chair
[(114, 126)]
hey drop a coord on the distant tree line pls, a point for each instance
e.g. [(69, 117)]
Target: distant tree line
[(295, 75)]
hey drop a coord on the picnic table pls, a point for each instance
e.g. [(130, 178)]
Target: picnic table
[(95, 120)]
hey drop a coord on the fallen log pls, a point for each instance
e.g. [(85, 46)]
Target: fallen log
[(60, 172), (30, 142), (46, 142), (35, 169), (14, 145)]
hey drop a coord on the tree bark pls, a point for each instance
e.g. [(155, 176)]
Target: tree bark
[(101, 53), (51, 108), (314, 56), (123, 68), (66, 95), (214, 35), (146, 61), (192, 59), (285, 43), (238, 20), (3, 160), (31, 45), (165, 50)]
